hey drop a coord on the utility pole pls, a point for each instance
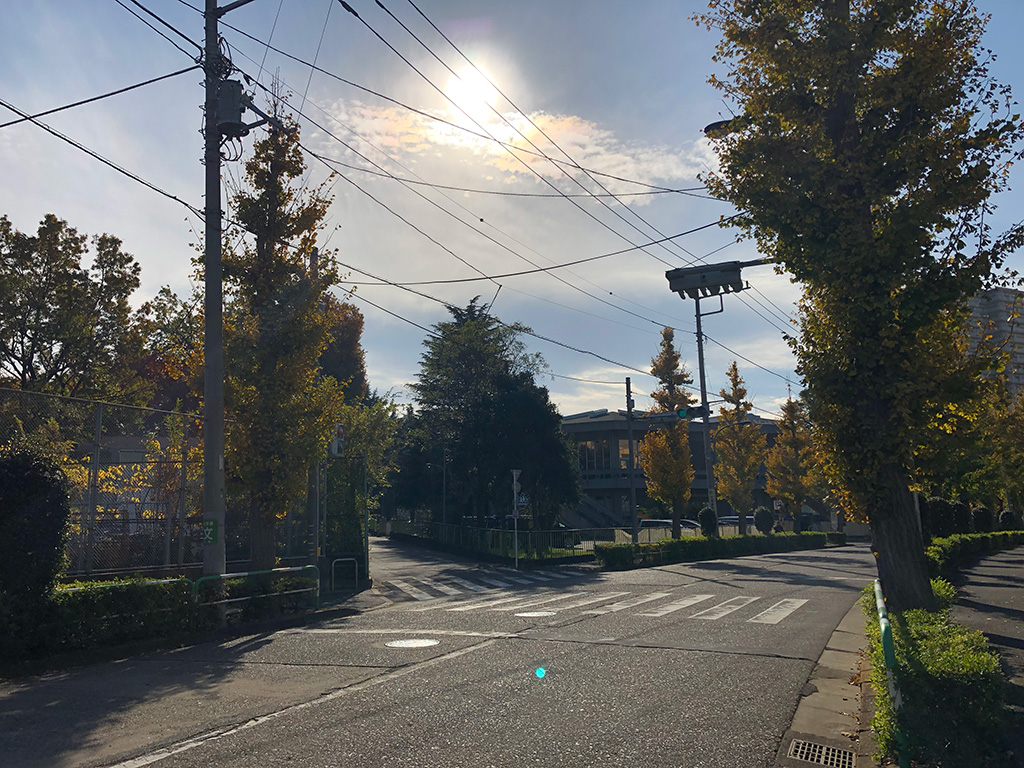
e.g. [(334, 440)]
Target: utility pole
[(632, 463), (709, 458), (214, 560)]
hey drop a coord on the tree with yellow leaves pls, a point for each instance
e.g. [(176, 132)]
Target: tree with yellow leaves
[(739, 448)]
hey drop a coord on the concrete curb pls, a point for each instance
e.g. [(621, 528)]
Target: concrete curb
[(835, 707)]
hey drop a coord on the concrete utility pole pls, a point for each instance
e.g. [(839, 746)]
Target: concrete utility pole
[(632, 463), (709, 459), (214, 560)]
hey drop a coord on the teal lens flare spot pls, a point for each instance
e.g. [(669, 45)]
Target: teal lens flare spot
[(541, 671)]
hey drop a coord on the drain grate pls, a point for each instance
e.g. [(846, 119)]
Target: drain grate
[(821, 754)]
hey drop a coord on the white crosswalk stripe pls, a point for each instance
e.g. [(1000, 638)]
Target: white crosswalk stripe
[(467, 584), (494, 582), (478, 604), (686, 602), (443, 588), (591, 600), (515, 579), (552, 573), (409, 589), (724, 609), (631, 603), (543, 601), (530, 576), (777, 612)]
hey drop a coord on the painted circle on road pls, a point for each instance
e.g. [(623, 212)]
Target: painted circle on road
[(535, 614), (415, 642)]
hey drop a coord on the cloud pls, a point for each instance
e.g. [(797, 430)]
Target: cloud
[(408, 136)]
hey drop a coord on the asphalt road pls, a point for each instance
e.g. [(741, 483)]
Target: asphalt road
[(696, 665)]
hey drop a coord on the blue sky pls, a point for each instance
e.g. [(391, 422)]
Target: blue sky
[(621, 87)]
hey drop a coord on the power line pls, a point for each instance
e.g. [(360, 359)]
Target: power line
[(161, 33), (100, 157), (748, 360), (554, 266), (98, 98), (531, 121)]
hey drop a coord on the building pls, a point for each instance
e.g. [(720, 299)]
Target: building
[(602, 448), (999, 313)]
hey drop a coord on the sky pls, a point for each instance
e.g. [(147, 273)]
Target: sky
[(621, 88)]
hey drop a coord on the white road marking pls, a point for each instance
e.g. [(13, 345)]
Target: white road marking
[(532, 575), (516, 579), (632, 603), (467, 584), (777, 612), (410, 590), (531, 603), (477, 604), (494, 582), (553, 573), (686, 602), (724, 609), (598, 599), (439, 586)]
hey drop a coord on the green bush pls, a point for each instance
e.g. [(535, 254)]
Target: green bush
[(835, 538), (961, 518), (949, 681), (708, 522), (268, 596), (33, 525), (764, 520), (940, 517), (983, 519), (619, 557), (1008, 521), (946, 554)]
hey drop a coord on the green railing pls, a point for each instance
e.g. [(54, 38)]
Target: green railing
[(274, 571), (889, 651)]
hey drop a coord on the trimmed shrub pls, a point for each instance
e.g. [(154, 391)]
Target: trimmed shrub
[(940, 517), (764, 520), (33, 525), (708, 522), (1008, 521), (835, 538), (961, 518), (982, 519), (947, 554), (615, 557), (619, 557)]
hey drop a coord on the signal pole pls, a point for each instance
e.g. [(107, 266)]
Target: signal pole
[(632, 463), (708, 455)]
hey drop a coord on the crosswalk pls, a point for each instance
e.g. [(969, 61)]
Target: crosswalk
[(495, 592)]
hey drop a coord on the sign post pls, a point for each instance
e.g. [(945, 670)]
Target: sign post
[(515, 511)]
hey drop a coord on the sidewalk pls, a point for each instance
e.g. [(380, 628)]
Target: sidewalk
[(991, 599), (832, 724)]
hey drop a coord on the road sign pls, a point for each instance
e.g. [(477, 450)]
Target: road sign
[(515, 513), (209, 532), (521, 500), (778, 505)]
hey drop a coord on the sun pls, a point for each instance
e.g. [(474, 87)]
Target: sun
[(471, 94)]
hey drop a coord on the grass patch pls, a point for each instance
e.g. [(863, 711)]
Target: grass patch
[(950, 683)]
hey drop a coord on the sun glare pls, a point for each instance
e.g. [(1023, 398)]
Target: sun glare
[(471, 94)]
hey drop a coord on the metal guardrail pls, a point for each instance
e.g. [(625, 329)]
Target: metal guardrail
[(889, 651), (345, 560), (223, 576)]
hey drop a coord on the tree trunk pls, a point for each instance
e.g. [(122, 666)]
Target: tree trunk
[(263, 555), (899, 549), (677, 513)]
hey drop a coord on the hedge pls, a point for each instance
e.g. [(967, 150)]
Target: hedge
[(84, 615), (945, 555), (619, 557), (950, 683)]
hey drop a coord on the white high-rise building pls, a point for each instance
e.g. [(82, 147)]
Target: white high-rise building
[(1000, 314)]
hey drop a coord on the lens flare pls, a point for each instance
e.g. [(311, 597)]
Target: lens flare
[(541, 672)]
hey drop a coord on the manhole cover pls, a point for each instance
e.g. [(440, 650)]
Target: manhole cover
[(416, 642), (535, 614), (820, 754)]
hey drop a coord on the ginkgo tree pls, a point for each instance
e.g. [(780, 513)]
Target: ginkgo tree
[(665, 453), (790, 463), (739, 448), (869, 140)]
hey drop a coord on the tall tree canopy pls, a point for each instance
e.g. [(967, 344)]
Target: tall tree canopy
[(278, 320), (665, 453), (739, 448), (478, 400), (67, 328), (869, 140), (790, 462)]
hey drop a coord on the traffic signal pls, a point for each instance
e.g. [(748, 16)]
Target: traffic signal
[(692, 412), (338, 441)]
